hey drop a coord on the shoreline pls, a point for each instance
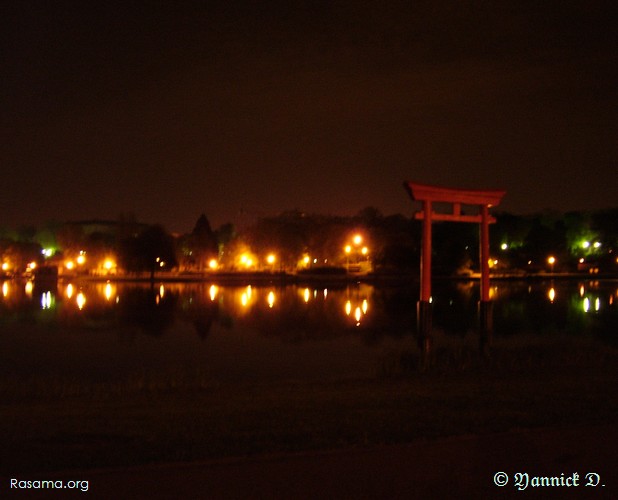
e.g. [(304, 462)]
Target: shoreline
[(283, 278)]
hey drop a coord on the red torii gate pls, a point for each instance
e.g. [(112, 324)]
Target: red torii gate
[(484, 199)]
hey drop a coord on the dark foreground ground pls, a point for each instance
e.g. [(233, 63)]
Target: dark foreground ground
[(581, 460), (440, 429)]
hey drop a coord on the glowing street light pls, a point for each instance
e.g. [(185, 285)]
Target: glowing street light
[(246, 260), (551, 260), (355, 250)]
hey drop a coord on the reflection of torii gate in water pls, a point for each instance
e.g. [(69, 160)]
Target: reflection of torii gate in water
[(484, 199)]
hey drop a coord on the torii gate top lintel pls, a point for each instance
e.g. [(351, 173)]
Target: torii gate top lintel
[(425, 192)]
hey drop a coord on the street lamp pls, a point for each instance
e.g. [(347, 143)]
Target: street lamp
[(347, 249), (270, 259), (552, 261), (356, 249)]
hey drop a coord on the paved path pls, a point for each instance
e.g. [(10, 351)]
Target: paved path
[(461, 467)]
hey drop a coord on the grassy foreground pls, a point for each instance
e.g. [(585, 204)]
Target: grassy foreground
[(52, 425)]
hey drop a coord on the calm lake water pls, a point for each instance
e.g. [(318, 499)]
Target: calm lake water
[(127, 332)]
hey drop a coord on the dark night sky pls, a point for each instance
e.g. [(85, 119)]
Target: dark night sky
[(171, 109)]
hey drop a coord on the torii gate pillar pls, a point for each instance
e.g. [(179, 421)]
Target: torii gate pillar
[(484, 200)]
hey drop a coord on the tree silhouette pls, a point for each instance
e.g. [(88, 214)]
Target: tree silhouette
[(151, 250), (203, 243)]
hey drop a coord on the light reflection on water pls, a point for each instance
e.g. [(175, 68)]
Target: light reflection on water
[(125, 330), (532, 307)]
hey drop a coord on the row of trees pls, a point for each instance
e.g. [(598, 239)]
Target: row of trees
[(576, 240)]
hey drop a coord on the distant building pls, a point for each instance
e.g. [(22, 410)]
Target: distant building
[(112, 228)]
